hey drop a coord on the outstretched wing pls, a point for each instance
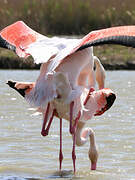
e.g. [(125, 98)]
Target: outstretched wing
[(122, 35), (24, 41), (17, 37)]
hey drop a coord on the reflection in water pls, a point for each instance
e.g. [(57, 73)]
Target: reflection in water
[(68, 174), (18, 178), (26, 155), (62, 174)]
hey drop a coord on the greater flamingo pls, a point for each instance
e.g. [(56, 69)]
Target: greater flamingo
[(61, 90)]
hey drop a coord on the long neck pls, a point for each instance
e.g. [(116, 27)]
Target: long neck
[(82, 135), (81, 138), (100, 73)]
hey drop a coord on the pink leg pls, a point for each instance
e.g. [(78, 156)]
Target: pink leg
[(45, 130), (73, 128), (79, 114), (50, 122), (88, 95), (74, 140), (71, 117), (73, 132), (76, 120), (45, 120), (73, 151), (60, 153)]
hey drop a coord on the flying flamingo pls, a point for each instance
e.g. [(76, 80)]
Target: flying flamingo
[(61, 89)]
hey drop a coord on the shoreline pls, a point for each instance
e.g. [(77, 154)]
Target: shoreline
[(121, 66), (113, 57), (7, 63)]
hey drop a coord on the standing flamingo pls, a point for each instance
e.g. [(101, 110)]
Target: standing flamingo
[(61, 89)]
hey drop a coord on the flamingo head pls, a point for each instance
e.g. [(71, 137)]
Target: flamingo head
[(105, 100)]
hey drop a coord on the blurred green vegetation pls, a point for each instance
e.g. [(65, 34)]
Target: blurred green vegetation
[(69, 17)]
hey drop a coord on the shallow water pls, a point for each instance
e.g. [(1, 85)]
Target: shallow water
[(25, 154)]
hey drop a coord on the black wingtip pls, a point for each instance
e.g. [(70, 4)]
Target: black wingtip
[(12, 85), (7, 45), (128, 41)]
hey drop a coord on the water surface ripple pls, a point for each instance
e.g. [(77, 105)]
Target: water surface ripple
[(25, 154)]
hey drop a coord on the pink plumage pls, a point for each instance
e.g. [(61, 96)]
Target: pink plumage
[(66, 85)]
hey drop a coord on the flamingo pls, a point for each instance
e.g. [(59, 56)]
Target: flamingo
[(61, 89)]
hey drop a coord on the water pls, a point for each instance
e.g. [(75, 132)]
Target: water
[(25, 154)]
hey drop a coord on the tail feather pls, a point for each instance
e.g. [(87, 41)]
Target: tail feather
[(43, 92)]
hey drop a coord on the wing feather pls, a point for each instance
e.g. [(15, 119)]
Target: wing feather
[(25, 41), (21, 39), (18, 37), (123, 35), (43, 50)]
